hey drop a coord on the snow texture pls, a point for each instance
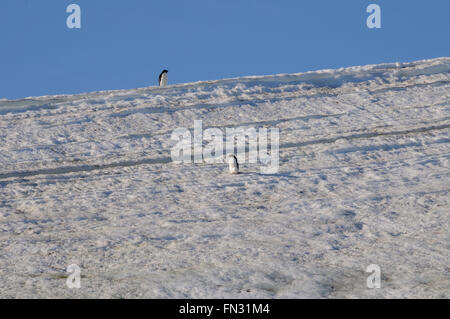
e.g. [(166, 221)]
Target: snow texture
[(364, 179)]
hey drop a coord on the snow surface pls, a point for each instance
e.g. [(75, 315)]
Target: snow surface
[(364, 179)]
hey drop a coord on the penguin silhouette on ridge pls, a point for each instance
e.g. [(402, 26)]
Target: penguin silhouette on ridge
[(163, 78)]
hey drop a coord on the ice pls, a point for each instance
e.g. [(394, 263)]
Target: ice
[(363, 179)]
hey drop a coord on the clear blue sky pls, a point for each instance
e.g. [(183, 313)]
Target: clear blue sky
[(125, 44)]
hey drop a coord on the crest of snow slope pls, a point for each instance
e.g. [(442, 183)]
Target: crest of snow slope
[(364, 179)]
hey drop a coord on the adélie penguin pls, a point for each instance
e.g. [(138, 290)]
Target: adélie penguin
[(163, 78), (233, 164)]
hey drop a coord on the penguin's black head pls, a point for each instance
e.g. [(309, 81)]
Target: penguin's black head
[(165, 71)]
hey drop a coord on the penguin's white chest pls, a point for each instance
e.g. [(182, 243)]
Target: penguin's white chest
[(163, 80), (233, 165)]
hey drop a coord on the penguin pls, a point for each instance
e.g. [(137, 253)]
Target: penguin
[(233, 164), (163, 78)]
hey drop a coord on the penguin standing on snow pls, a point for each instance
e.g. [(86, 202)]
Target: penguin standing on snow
[(233, 164), (163, 78)]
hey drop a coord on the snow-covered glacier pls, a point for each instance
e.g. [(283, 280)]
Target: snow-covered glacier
[(363, 179)]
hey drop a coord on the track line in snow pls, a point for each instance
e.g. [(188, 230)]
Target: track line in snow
[(366, 135), (165, 160)]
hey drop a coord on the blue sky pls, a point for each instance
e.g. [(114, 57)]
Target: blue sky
[(125, 44)]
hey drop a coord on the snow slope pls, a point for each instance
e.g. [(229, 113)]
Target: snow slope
[(364, 179)]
